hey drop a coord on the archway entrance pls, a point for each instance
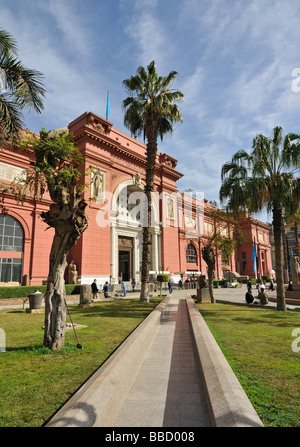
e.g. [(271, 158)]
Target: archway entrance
[(127, 220), (125, 245)]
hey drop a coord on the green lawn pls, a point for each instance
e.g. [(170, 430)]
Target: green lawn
[(35, 381), (258, 346)]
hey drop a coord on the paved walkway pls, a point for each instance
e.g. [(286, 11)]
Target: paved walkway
[(168, 390), (237, 296)]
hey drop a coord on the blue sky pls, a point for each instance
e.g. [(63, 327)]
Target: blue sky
[(235, 61)]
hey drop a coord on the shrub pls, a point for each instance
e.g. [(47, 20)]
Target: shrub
[(266, 277), (22, 291), (162, 277)]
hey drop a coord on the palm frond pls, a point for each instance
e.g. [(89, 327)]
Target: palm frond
[(7, 43)]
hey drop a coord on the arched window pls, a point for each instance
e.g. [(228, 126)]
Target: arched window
[(191, 254), (11, 242)]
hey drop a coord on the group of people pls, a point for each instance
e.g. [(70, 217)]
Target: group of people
[(96, 289), (261, 293)]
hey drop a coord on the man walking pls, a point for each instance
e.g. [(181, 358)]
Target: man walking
[(95, 289)]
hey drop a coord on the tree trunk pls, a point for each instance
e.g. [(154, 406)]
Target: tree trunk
[(150, 169), (209, 257), (297, 248), (69, 223), (277, 223), (55, 302), (285, 254), (210, 273)]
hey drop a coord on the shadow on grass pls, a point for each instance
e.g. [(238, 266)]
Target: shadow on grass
[(270, 317), (116, 310), (39, 349)]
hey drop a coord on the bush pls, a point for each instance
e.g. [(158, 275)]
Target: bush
[(22, 291), (162, 278), (266, 278)]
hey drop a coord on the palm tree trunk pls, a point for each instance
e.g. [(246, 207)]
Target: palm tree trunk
[(277, 223), (285, 254), (297, 249), (150, 169)]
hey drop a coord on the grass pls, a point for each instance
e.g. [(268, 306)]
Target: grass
[(36, 382), (258, 346)]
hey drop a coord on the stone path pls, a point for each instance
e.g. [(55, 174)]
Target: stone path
[(168, 390)]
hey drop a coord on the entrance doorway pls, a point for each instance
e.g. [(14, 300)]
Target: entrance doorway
[(125, 257), (124, 264)]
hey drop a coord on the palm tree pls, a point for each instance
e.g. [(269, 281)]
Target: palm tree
[(20, 88), (266, 178), (150, 110)]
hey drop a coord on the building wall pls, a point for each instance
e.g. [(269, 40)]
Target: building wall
[(115, 163)]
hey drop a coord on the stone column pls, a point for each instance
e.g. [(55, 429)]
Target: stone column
[(113, 251), (154, 252)]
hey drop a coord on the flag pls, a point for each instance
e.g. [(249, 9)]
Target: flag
[(107, 106), (254, 255)]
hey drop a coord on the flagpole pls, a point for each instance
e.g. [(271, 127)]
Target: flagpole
[(254, 258), (107, 106)]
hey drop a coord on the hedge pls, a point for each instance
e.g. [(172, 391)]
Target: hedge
[(162, 277), (22, 291)]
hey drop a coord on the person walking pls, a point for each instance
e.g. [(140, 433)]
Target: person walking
[(95, 289), (133, 284), (124, 288), (105, 289), (170, 285)]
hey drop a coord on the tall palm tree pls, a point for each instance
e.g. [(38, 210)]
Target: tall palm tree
[(150, 110), (266, 178), (20, 88)]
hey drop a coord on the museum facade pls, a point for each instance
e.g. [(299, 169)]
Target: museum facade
[(111, 247)]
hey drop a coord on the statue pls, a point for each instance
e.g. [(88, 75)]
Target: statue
[(137, 180), (295, 270), (203, 284), (170, 205), (97, 183), (73, 274), (203, 295)]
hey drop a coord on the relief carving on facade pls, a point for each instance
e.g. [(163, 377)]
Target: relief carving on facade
[(97, 183)]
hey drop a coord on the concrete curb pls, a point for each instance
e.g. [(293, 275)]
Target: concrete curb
[(229, 404), (96, 403)]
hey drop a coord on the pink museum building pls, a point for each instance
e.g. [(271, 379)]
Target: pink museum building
[(112, 244)]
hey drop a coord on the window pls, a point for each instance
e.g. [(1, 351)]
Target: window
[(223, 231), (260, 237), (10, 269), (191, 254), (225, 258), (11, 234), (244, 255), (208, 228), (11, 240)]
